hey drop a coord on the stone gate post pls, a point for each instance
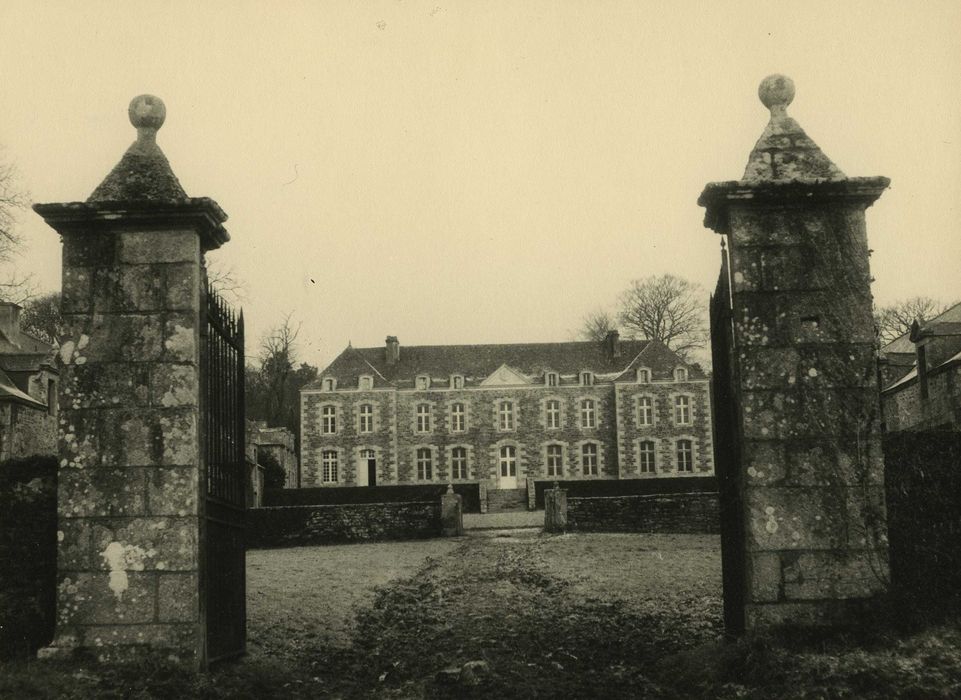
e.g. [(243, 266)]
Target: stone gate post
[(810, 469), (129, 561)]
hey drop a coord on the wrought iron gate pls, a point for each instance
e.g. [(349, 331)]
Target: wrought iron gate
[(727, 449), (223, 430)]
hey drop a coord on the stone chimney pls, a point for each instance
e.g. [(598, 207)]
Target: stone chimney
[(10, 321), (393, 350), (612, 345)]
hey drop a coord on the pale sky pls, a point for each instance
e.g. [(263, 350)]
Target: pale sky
[(478, 172)]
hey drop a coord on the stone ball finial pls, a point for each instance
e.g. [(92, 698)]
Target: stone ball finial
[(776, 92), (147, 112)]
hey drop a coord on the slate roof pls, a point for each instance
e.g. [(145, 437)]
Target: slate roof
[(898, 350), (476, 362), (142, 175), (10, 393)]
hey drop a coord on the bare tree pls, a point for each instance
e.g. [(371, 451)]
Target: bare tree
[(596, 324), (666, 308), (895, 320), (224, 280), (13, 286)]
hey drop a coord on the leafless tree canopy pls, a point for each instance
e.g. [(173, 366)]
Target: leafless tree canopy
[(596, 324), (13, 286), (666, 308), (224, 280), (894, 320)]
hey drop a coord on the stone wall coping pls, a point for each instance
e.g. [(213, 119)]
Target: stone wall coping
[(355, 505), (717, 196), (642, 495), (201, 213)]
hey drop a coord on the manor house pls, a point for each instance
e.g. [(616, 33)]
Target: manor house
[(499, 414)]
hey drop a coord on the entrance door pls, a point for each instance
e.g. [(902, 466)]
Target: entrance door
[(366, 474), (507, 468)]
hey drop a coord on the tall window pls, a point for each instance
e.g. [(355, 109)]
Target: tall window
[(587, 378), (680, 374), (589, 459), (551, 379), (329, 384), (457, 382), (555, 460), (682, 410), (647, 457), (508, 460), (423, 418), (458, 418), (643, 376), (588, 414), (685, 456), (553, 409), (423, 382), (505, 413), (366, 383), (425, 464), (328, 462), (366, 418), (645, 411), (328, 420), (51, 397), (458, 463)]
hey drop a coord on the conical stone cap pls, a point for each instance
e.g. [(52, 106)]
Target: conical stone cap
[(784, 153), (143, 174)]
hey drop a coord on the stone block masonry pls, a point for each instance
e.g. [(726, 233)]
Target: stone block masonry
[(677, 513), (292, 526)]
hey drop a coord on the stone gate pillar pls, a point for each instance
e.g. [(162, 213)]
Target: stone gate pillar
[(130, 496), (809, 474)]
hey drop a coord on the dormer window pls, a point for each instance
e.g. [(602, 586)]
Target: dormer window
[(680, 374), (366, 383), (550, 379), (457, 381), (329, 384), (587, 378), (643, 376), (423, 382)]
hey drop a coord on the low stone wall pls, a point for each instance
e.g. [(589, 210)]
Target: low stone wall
[(683, 513), (290, 526), (28, 554)]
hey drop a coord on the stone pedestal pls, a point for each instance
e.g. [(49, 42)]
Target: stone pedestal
[(810, 476), (555, 510), (131, 476), (451, 514)]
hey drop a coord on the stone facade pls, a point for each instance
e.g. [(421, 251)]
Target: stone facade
[(131, 472), (810, 471), (479, 400), (689, 513), (332, 524), (279, 443)]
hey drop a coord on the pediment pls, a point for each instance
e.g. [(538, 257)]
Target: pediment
[(505, 376)]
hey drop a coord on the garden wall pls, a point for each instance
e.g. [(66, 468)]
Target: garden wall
[(678, 513), (28, 554), (470, 493), (922, 487), (290, 526), (626, 487)]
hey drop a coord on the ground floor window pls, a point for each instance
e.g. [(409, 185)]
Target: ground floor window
[(425, 464), (589, 459), (508, 460), (329, 464), (646, 452), (685, 456), (555, 460), (458, 463)]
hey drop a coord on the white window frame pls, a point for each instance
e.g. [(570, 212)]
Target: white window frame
[(365, 419), (640, 457), (643, 411), (556, 469), (462, 470), (458, 416), (329, 384), (643, 375), (689, 444), (507, 457), (365, 382), (424, 462), (330, 467), (423, 418), (506, 420), (588, 414), (680, 374), (587, 378), (551, 379), (548, 413), (682, 404), (596, 469), (422, 382), (457, 381), (328, 419)]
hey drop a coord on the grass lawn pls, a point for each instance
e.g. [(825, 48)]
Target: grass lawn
[(573, 616)]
